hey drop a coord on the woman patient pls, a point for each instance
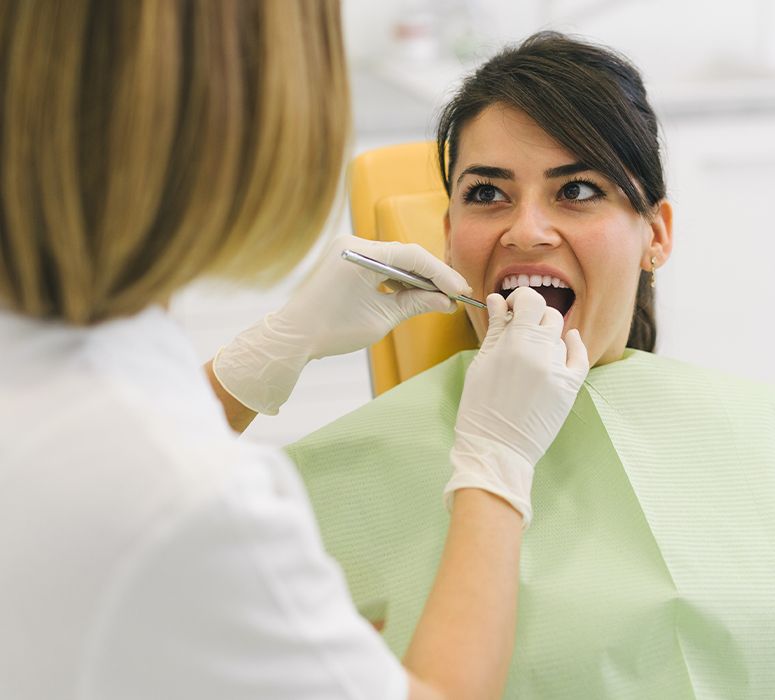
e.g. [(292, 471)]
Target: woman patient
[(648, 570)]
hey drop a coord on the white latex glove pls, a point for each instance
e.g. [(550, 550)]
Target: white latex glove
[(517, 394), (338, 309)]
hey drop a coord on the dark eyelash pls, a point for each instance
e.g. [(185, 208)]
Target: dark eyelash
[(469, 195), (600, 192)]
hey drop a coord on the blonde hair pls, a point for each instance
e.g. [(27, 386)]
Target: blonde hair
[(144, 143)]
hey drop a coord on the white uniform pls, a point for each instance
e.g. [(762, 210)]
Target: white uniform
[(146, 552)]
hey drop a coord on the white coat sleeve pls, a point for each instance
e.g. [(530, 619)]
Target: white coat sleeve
[(235, 599)]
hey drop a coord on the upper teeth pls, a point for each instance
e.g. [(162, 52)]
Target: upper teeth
[(514, 281)]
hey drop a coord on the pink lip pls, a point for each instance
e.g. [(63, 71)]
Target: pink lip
[(543, 270)]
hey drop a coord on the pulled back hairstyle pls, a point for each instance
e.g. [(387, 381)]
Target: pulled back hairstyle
[(146, 142), (590, 100)]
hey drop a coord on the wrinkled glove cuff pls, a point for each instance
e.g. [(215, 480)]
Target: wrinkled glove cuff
[(481, 463), (260, 367)]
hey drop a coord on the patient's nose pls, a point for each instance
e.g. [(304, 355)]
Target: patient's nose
[(530, 227)]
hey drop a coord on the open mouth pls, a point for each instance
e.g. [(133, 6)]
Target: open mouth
[(556, 292)]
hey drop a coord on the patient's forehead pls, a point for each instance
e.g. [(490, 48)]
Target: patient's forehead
[(500, 134)]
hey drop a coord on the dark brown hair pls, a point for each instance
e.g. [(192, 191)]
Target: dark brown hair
[(592, 101), (146, 142)]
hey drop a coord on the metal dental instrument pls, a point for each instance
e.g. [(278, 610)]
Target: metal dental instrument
[(403, 276)]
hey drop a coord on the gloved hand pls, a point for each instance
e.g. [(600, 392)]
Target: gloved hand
[(517, 394), (338, 309)]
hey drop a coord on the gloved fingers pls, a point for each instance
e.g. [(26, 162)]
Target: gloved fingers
[(415, 258), (411, 302), (395, 286), (552, 320), (528, 306), (372, 249), (499, 315), (496, 305), (577, 358)]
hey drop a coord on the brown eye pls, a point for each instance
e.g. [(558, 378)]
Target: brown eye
[(580, 191), (485, 193), (571, 190)]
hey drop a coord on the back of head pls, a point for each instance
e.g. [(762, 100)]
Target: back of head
[(145, 143), (592, 101)]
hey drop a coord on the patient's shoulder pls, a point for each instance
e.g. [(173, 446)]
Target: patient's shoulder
[(643, 385), (638, 366)]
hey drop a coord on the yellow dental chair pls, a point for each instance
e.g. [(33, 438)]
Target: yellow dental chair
[(396, 194)]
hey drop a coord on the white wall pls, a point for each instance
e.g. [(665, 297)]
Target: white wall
[(716, 294), (668, 39)]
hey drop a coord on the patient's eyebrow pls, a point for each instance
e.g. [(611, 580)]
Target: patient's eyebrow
[(487, 171), (564, 170), (492, 171)]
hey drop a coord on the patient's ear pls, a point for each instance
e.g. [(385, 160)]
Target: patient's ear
[(661, 240), (447, 256)]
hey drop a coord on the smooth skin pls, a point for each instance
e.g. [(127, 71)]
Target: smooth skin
[(579, 224)]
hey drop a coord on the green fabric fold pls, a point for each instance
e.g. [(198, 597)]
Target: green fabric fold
[(649, 569)]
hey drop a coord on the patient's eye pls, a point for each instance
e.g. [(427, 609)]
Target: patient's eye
[(483, 193), (581, 191)]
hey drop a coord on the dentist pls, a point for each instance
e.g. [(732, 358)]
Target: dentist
[(146, 551)]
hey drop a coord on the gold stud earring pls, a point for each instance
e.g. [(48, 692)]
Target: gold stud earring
[(653, 272)]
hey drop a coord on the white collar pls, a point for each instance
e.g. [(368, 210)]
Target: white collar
[(147, 353)]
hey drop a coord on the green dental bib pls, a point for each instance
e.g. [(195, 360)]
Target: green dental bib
[(649, 568)]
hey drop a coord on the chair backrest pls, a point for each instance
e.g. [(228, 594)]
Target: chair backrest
[(396, 194)]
